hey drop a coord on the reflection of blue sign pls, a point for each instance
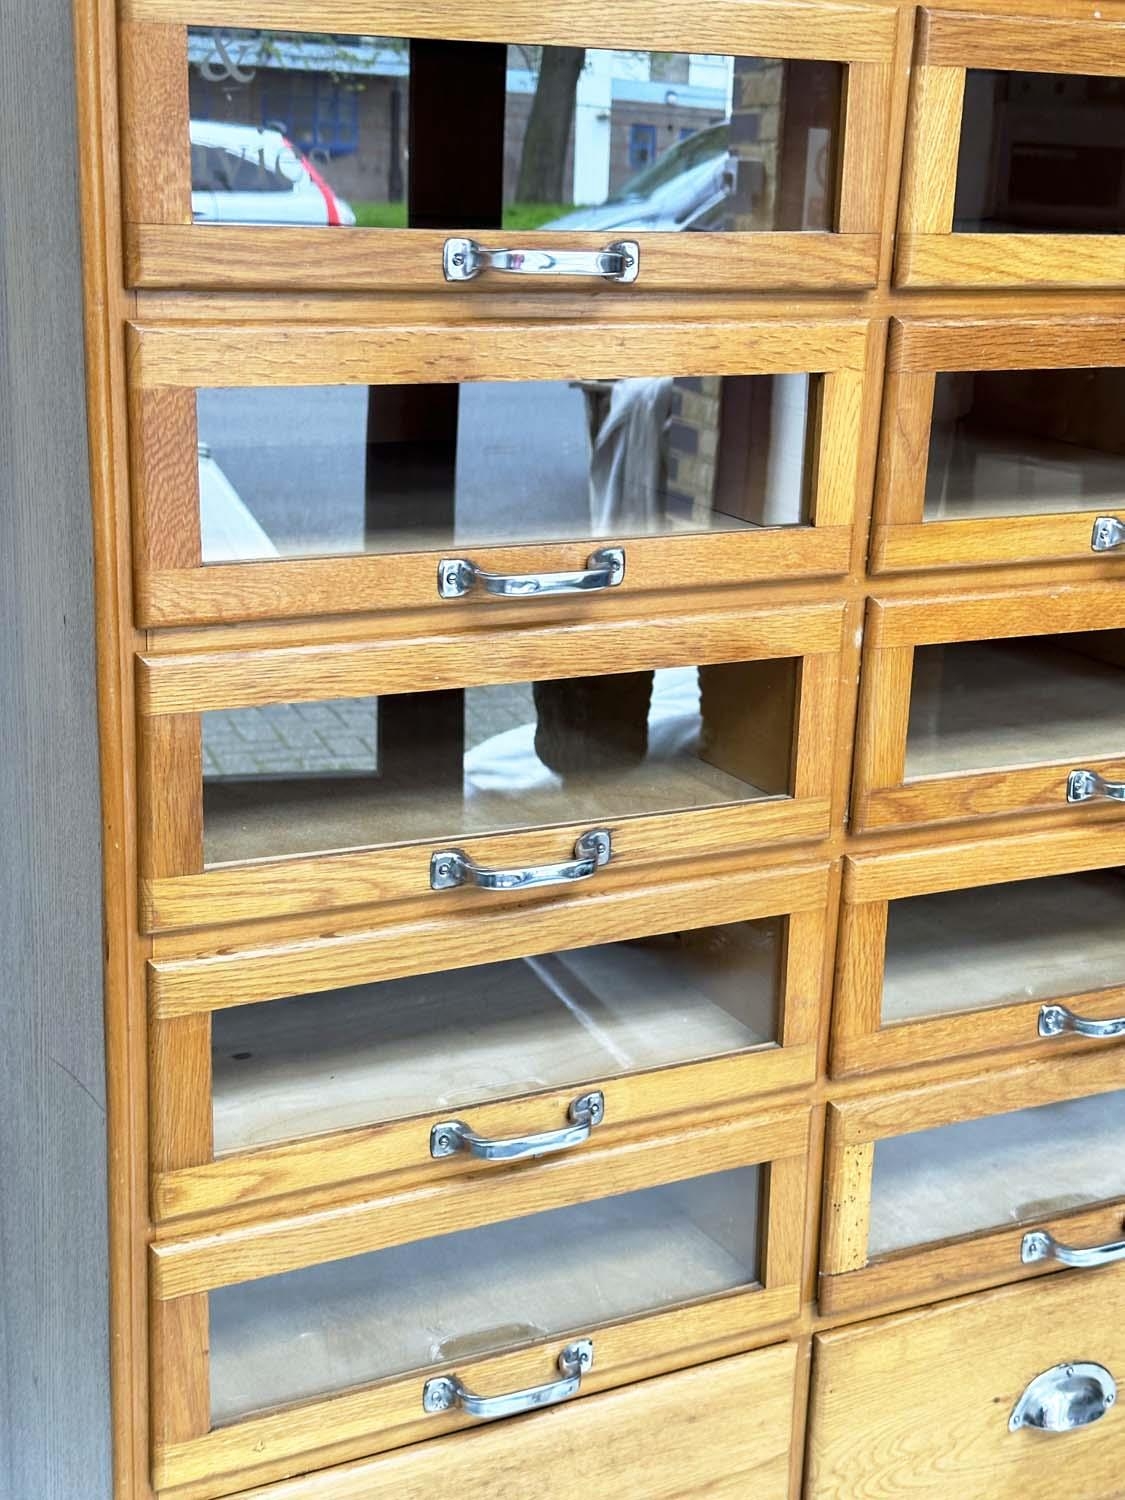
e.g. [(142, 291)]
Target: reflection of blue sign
[(642, 146)]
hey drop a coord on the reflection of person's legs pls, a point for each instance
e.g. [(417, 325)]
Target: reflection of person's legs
[(590, 724)]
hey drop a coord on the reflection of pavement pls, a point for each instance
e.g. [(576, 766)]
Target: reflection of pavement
[(288, 738)]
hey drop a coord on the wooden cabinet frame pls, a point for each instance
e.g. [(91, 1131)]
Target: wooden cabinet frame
[(168, 365), (882, 798), (949, 43), (164, 248), (199, 1461), (850, 1280), (902, 541), (187, 1176), (173, 691), (861, 1043)]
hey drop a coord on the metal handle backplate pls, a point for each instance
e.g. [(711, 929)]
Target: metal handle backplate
[(1065, 1398), (1088, 786), (450, 868), (458, 576), (463, 260), (1108, 534), (1041, 1245), (445, 1392), (1055, 1020), (452, 1136)]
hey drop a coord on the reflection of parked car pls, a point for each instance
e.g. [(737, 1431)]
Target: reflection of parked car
[(684, 189), (244, 175)]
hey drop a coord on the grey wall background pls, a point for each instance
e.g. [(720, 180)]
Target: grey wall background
[(54, 1381)]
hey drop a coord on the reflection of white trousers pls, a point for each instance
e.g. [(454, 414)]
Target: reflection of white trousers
[(627, 463)]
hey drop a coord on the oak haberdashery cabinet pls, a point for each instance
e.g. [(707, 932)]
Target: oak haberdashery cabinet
[(609, 599)]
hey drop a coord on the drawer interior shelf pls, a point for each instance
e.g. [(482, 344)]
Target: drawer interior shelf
[(326, 1328), (965, 950), (1017, 1168), (312, 1064), (983, 705)]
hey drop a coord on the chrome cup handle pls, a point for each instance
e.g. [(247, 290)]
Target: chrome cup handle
[(1065, 1398), (458, 576), (1108, 534), (1041, 1245), (449, 868), (445, 1392), (464, 260), (451, 1136), (1055, 1020), (1088, 786)]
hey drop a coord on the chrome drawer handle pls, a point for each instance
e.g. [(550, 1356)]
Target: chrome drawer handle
[(458, 576), (452, 1136), (1065, 1398), (462, 260), (1109, 533), (1086, 786), (450, 868), (1041, 1245), (1056, 1019), (445, 1392)]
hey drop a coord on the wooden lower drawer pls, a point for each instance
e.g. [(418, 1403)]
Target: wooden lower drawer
[(919, 1404), (722, 1430)]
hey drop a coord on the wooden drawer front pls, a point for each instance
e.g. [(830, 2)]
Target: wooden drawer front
[(330, 776), (335, 1059), (782, 189), (1001, 444), (307, 1340), (308, 471), (932, 1190), (1013, 167), (974, 948), (668, 1438), (983, 705), (920, 1404)]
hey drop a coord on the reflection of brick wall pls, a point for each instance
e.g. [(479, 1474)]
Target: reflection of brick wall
[(756, 141), (669, 120), (692, 445)]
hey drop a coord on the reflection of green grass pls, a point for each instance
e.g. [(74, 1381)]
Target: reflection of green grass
[(516, 215)]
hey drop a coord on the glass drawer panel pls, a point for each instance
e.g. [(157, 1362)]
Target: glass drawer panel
[(1041, 153), (1002, 1170), (325, 1328), (957, 951), (308, 1065), (312, 128), (311, 471), (1025, 442), (979, 705), (290, 779)]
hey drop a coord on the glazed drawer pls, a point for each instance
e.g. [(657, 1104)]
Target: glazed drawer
[(469, 771), (1001, 443), (315, 470), (314, 1339), (991, 704), (961, 1184), (760, 164), (1014, 172), (668, 1438), (923, 1404), (986, 946), (339, 1059)]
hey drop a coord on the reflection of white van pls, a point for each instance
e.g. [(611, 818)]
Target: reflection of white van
[(241, 174)]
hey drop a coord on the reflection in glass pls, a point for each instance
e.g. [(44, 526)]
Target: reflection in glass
[(983, 705), (1019, 1168), (373, 1052), (302, 778), (457, 1297), (957, 951), (330, 129), (319, 470), (1025, 442), (1041, 153)]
